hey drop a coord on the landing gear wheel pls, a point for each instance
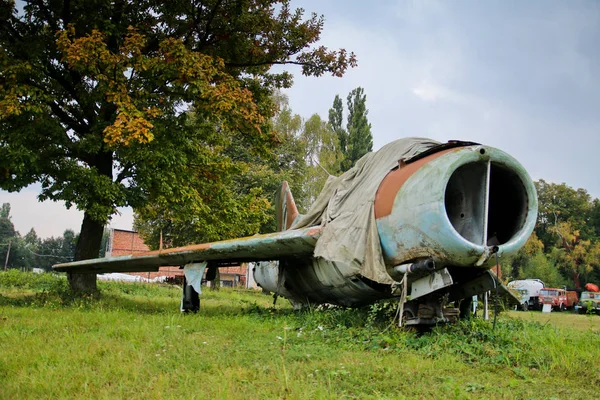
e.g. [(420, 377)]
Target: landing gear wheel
[(525, 307), (408, 313)]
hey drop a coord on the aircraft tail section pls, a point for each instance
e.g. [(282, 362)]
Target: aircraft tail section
[(285, 207)]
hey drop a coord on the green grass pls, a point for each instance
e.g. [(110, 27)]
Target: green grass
[(563, 320), (131, 342)]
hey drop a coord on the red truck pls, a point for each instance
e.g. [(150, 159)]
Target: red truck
[(560, 299)]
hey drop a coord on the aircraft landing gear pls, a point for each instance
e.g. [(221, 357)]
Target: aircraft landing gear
[(190, 301), (428, 312), (466, 308)]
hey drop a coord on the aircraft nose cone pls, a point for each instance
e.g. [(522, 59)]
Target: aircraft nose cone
[(458, 208)]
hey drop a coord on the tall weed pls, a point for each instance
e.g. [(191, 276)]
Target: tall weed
[(16, 279)]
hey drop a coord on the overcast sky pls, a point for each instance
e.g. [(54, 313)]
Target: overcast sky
[(520, 76)]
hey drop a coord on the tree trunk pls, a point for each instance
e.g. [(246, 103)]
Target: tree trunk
[(216, 283), (576, 280), (88, 246)]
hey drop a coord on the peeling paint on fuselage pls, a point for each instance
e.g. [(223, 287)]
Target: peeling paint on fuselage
[(419, 226), (317, 281), (416, 227)]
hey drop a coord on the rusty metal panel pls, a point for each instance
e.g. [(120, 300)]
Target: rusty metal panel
[(298, 243), (428, 284)]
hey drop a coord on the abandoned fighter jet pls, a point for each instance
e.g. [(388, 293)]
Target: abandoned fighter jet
[(417, 220)]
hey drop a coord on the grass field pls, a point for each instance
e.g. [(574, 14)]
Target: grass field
[(132, 342)]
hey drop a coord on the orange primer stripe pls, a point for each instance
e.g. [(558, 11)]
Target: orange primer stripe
[(393, 181)]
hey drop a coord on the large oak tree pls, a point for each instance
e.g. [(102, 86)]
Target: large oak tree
[(93, 96)]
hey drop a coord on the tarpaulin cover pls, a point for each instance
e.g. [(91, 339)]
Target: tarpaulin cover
[(345, 209), (193, 275)]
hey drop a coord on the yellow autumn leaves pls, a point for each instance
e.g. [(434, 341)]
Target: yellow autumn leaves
[(144, 85)]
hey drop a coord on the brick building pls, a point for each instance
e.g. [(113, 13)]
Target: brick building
[(233, 276), (123, 242)]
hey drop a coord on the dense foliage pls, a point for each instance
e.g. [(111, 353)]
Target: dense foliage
[(240, 203), (565, 246), (310, 151), (93, 101)]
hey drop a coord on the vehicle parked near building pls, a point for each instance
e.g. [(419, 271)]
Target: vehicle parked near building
[(589, 303), (559, 299), (528, 291)]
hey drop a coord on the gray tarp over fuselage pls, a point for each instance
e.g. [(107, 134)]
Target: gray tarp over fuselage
[(345, 209)]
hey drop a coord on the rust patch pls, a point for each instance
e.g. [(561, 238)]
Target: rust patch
[(193, 247), (393, 181), (205, 246)]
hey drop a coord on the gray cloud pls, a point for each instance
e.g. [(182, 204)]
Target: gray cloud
[(521, 76)]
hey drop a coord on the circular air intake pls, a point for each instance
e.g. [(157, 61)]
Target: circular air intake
[(486, 203)]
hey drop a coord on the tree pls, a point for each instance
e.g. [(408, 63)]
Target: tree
[(11, 242), (5, 211), (561, 203), (7, 229), (517, 262), (32, 239), (56, 250), (577, 257), (360, 140), (356, 140), (7, 233), (238, 204), (92, 103), (289, 163), (322, 155), (594, 221), (540, 267), (336, 121)]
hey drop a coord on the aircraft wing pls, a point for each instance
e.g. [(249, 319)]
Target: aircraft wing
[(273, 246)]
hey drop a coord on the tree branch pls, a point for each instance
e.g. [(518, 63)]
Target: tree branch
[(67, 119), (125, 173), (259, 64), (47, 15), (211, 18)]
